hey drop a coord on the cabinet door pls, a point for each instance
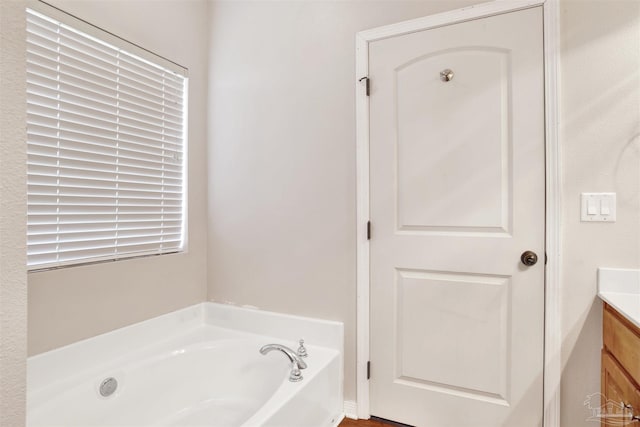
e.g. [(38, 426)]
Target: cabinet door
[(622, 340), (618, 391)]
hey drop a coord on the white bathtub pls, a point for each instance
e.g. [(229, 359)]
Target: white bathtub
[(199, 366)]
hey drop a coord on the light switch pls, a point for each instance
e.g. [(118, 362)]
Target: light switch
[(598, 207)]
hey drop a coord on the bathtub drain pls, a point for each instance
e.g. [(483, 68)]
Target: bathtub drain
[(108, 386)]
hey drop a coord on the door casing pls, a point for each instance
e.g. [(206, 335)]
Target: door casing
[(552, 337)]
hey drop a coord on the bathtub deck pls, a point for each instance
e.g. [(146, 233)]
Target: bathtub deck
[(165, 366)]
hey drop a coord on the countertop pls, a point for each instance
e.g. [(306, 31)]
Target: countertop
[(620, 288)]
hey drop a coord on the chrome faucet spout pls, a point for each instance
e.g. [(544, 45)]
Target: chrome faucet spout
[(296, 362), (291, 355)]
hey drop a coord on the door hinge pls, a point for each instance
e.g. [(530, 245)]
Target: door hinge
[(369, 370), (367, 84), (545, 258), (368, 230)]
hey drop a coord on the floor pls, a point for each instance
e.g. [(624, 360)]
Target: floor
[(348, 422)]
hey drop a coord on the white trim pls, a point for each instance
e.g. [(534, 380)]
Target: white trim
[(350, 409), (552, 367), (552, 318), (482, 10)]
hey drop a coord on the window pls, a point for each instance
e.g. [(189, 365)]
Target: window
[(106, 145)]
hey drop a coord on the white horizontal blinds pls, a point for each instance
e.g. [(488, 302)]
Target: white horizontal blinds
[(105, 149)]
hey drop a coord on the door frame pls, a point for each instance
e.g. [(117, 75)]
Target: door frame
[(552, 334)]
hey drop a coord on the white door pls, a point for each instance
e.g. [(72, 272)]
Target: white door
[(457, 195)]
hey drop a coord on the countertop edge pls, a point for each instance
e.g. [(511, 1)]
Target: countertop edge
[(617, 301)]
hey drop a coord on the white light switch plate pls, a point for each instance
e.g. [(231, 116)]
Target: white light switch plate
[(598, 207)]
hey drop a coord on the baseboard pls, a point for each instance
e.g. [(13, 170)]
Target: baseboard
[(336, 422), (350, 409)]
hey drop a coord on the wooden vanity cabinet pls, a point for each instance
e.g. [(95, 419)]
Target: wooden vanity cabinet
[(620, 370)]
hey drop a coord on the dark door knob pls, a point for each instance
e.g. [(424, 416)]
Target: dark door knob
[(529, 258)]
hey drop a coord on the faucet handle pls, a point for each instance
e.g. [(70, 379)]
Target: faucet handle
[(302, 351)]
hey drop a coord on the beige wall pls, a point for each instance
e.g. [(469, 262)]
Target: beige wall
[(75, 303), (282, 154), (13, 199), (599, 127)]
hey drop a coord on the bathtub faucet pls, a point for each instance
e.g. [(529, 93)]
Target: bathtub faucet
[(296, 362)]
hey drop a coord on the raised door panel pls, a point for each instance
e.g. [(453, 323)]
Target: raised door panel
[(446, 130), (472, 360)]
